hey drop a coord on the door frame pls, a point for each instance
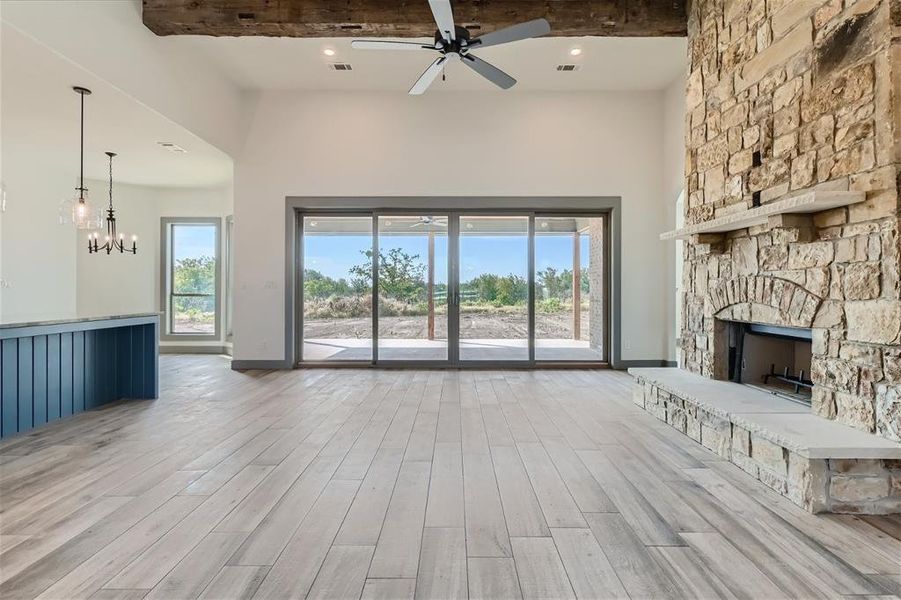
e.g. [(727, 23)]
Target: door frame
[(298, 207)]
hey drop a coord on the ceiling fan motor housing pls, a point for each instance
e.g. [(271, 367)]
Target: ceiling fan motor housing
[(459, 43)]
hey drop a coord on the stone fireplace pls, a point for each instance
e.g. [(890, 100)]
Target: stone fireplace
[(793, 147), (787, 97)]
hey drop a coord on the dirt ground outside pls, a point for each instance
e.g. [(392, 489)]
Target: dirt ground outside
[(472, 325)]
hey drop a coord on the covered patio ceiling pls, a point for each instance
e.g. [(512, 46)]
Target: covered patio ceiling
[(418, 225)]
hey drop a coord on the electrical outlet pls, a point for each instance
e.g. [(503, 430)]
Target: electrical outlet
[(627, 345)]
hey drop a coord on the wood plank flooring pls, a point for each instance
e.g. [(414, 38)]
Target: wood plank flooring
[(406, 484)]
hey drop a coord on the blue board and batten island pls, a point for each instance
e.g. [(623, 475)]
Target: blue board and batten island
[(52, 369)]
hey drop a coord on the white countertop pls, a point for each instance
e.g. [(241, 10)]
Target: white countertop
[(39, 321)]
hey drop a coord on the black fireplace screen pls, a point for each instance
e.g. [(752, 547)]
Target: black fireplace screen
[(773, 357)]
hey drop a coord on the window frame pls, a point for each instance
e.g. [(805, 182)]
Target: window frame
[(166, 255), (229, 274)]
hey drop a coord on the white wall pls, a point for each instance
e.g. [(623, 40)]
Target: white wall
[(109, 39), (673, 187), (38, 258), (124, 283), (484, 144)]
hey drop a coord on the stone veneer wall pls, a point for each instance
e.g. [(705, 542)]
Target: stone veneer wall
[(784, 96)]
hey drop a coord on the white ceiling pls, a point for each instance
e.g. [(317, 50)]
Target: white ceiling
[(40, 115), (257, 63)]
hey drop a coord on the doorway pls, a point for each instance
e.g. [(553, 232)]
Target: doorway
[(452, 288)]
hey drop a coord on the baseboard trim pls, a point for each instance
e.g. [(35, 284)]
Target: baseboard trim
[(628, 364), (193, 349), (246, 365)]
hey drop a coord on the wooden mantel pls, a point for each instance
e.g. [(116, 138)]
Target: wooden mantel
[(410, 18), (806, 203)]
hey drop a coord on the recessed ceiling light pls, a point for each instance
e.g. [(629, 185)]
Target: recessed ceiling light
[(329, 52), (575, 51)]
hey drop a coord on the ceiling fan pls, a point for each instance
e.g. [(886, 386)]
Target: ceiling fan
[(428, 222), (454, 42)]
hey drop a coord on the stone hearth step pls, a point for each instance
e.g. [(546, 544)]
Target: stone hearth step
[(821, 465)]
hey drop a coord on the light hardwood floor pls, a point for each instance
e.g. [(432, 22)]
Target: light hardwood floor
[(401, 484)]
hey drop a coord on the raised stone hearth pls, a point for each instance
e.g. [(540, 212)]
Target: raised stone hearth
[(819, 464)]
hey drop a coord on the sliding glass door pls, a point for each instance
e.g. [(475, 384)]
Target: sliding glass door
[(569, 288), (453, 288), (412, 284), (337, 288), (494, 288)]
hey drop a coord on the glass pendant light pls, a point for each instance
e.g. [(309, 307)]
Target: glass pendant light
[(78, 210)]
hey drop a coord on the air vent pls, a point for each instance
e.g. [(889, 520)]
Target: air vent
[(340, 67), (568, 67), (351, 26), (174, 148), (246, 16)]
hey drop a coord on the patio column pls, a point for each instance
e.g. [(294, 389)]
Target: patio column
[(577, 287), (431, 284)]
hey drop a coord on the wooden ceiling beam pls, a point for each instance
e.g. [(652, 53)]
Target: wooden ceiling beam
[(410, 18)]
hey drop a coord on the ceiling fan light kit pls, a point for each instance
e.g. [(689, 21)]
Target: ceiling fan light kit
[(455, 42)]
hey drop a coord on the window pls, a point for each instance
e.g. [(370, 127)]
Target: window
[(190, 278)]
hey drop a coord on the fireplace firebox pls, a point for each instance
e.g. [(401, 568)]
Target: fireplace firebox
[(772, 358)]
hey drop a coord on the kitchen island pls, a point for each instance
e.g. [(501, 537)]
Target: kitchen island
[(54, 368)]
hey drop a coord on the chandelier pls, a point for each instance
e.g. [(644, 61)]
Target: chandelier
[(78, 209), (114, 241)]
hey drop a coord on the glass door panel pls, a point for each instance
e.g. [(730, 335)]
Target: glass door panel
[(413, 285), (337, 288), (494, 288), (569, 285)]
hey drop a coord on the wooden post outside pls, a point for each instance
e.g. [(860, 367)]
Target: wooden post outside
[(431, 285), (577, 287)]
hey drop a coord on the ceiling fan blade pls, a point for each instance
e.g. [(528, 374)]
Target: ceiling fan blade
[(426, 79), (444, 17), (388, 45), (514, 33), (489, 72)]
